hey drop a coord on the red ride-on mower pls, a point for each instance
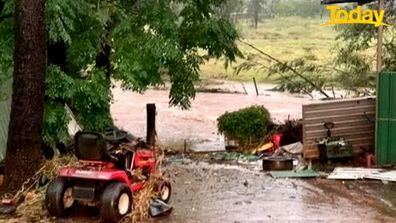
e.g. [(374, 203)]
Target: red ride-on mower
[(104, 177)]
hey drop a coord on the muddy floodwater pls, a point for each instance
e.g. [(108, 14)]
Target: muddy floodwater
[(198, 125)]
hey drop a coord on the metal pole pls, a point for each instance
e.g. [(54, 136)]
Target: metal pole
[(379, 67), (380, 39)]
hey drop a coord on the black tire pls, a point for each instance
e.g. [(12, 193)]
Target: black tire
[(54, 198), (162, 184), (109, 208)]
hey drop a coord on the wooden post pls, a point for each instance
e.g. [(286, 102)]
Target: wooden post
[(255, 86), (244, 89), (151, 132)]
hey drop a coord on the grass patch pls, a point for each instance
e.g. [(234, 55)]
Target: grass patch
[(285, 38)]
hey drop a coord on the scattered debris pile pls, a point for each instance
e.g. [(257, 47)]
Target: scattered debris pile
[(357, 173)]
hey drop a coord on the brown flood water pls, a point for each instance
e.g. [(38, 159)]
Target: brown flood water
[(198, 125)]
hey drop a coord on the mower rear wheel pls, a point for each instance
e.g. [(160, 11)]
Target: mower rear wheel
[(59, 198), (116, 202), (164, 190)]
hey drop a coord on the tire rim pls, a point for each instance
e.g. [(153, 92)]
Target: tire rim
[(68, 199), (123, 204), (165, 193)]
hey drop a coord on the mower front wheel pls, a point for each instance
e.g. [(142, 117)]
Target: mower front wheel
[(59, 198), (164, 190), (116, 202)]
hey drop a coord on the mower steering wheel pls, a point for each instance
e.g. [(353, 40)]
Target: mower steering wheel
[(115, 136)]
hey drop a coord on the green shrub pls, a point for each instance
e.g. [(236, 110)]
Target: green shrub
[(247, 126)]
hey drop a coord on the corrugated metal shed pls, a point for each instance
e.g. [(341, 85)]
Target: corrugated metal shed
[(5, 110), (353, 119)]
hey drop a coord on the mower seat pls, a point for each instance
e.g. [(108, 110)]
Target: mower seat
[(91, 146)]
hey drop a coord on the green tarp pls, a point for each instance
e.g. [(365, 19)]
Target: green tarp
[(295, 174)]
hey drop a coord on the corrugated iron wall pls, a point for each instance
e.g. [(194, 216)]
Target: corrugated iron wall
[(5, 110), (385, 153), (353, 119)]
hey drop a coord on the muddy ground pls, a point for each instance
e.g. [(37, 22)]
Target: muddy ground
[(230, 193), (235, 193)]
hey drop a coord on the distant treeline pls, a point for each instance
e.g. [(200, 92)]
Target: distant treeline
[(264, 9), (303, 8)]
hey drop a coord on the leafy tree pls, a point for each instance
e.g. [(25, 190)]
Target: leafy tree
[(254, 9), (137, 43), (259, 9), (355, 61)]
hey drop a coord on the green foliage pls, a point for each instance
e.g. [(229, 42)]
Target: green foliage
[(88, 96), (306, 78), (289, 81), (355, 60), (54, 129), (59, 85), (247, 125), (91, 101), (354, 71), (165, 42), (151, 42)]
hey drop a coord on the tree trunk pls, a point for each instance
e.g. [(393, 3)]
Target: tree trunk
[(24, 138), (256, 9), (255, 18)]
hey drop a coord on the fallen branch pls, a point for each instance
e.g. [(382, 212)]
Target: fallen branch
[(287, 66)]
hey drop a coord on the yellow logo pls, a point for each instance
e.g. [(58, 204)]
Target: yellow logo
[(355, 16)]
